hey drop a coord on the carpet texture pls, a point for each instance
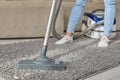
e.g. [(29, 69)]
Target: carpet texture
[(82, 58)]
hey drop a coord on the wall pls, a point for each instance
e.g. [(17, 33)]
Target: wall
[(28, 18), (19, 19)]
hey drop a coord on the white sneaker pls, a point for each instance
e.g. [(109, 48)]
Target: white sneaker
[(104, 42), (64, 40)]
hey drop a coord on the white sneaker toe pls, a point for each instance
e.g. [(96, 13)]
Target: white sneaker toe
[(64, 40), (104, 42)]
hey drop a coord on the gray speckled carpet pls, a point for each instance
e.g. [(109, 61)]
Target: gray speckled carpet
[(82, 57)]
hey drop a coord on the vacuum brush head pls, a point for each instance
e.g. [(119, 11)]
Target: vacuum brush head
[(41, 65)]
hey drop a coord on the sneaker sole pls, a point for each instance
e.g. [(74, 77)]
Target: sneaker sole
[(64, 43)]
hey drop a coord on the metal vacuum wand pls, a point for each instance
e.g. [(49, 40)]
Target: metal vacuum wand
[(42, 61)]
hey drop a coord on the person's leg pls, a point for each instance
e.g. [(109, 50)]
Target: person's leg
[(74, 19), (110, 12), (109, 16), (75, 15)]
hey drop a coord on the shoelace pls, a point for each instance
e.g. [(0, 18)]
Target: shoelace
[(65, 37)]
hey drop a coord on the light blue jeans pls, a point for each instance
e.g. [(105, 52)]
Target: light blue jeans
[(77, 10)]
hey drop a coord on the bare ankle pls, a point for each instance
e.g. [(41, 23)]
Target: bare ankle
[(69, 34), (106, 36)]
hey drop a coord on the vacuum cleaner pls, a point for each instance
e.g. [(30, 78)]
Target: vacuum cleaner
[(97, 32), (42, 62)]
